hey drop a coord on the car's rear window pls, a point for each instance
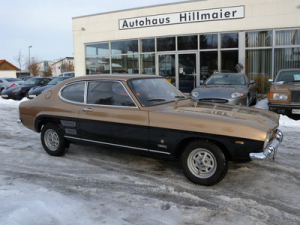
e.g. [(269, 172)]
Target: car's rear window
[(74, 92)]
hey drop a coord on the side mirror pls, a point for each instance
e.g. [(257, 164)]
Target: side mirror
[(271, 80), (252, 82), (201, 82)]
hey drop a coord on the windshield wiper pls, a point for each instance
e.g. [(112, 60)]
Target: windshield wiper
[(156, 100)]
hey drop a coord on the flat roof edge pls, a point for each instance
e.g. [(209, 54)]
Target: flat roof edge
[(143, 7)]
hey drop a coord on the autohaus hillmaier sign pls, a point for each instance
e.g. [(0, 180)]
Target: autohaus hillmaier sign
[(227, 13)]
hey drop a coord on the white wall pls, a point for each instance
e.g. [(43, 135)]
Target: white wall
[(259, 14), (8, 73), (56, 67)]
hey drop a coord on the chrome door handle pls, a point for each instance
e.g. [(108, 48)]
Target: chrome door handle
[(86, 110)]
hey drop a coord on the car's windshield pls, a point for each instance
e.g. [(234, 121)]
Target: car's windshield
[(288, 76), (226, 79), (155, 91), (57, 80), (31, 81)]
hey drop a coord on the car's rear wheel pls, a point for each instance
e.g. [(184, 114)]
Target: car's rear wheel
[(53, 140), (204, 163)]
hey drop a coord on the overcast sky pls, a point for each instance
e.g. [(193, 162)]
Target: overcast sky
[(47, 25)]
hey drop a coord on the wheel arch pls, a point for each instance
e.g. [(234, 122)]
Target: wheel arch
[(183, 144), (42, 120)]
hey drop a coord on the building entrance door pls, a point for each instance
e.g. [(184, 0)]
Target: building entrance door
[(187, 72), (179, 69), (166, 67)]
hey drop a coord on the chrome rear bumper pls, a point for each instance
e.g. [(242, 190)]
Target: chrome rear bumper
[(270, 151)]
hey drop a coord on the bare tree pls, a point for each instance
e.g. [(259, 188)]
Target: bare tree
[(49, 72), (66, 66), (19, 59), (63, 66), (33, 66), (70, 66)]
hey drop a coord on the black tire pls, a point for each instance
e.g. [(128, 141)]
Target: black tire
[(208, 172), (53, 140), (255, 99), (247, 101)]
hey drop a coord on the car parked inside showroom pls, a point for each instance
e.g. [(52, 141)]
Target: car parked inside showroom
[(147, 114), (20, 91), (228, 88), (37, 90), (284, 95), (6, 82)]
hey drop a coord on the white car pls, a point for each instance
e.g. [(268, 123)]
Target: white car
[(67, 74), (7, 82)]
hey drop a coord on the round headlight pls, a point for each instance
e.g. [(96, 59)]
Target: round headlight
[(267, 140), (195, 94)]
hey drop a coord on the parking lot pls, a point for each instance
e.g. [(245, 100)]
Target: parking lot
[(94, 185)]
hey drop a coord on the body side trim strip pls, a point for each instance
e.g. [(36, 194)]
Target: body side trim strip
[(117, 145)]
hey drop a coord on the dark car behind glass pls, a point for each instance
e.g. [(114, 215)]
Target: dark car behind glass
[(229, 88)]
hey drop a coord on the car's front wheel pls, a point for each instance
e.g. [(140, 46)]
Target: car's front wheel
[(255, 99), (53, 140), (204, 163)]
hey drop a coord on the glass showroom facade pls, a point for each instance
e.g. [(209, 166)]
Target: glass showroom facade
[(185, 60)]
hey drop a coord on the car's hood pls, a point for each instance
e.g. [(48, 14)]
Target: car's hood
[(213, 91), (285, 85), (219, 119), (40, 88)]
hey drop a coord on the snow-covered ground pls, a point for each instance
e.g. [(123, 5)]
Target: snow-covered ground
[(92, 185)]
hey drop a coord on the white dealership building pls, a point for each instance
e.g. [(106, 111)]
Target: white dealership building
[(188, 41)]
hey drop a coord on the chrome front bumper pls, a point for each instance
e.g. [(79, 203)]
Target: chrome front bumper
[(270, 151)]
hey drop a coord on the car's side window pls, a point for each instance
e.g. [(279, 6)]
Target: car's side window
[(74, 92), (44, 81), (108, 93)]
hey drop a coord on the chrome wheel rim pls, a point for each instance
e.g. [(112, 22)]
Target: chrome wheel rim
[(51, 140), (202, 163)]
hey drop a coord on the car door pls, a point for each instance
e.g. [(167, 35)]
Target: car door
[(110, 116)]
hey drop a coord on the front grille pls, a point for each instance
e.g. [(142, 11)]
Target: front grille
[(214, 100), (295, 96)]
